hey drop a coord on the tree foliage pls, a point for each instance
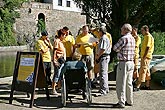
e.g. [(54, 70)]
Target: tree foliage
[(41, 26), (7, 19), (117, 12)]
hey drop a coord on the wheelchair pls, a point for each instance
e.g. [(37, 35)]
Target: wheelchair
[(74, 79)]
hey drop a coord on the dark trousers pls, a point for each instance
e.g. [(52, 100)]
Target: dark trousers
[(69, 59), (47, 66)]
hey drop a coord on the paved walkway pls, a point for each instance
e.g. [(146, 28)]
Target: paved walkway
[(143, 100)]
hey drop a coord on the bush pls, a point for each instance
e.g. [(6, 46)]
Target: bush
[(159, 43), (159, 39)]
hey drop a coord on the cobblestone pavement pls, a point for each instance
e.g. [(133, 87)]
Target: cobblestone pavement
[(143, 100)]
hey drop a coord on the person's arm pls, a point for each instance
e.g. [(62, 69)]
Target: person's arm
[(146, 52), (118, 46), (54, 59), (41, 48), (148, 40), (101, 51)]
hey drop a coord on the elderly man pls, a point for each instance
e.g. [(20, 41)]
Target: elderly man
[(125, 49), (103, 58)]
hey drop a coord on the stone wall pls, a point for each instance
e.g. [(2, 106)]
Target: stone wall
[(26, 25), (14, 48)]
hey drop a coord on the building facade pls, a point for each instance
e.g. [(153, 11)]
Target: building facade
[(55, 13)]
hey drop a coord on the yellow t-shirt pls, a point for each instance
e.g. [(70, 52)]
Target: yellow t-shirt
[(86, 48), (68, 44), (42, 46), (138, 42), (110, 38), (147, 42), (96, 33)]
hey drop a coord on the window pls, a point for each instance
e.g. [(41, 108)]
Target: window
[(67, 3), (59, 2)]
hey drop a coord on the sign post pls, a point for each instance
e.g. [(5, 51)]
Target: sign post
[(29, 73)]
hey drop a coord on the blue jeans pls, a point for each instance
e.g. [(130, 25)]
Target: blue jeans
[(57, 73)]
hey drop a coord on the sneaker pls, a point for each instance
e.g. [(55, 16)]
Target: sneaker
[(54, 92), (127, 104), (136, 89), (95, 81), (145, 88), (118, 105), (93, 86), (101, 94), (107, 91)]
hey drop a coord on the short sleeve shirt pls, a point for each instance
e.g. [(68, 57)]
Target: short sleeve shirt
[(59, 48), (147, 42), (68, 44), (105, 44), (42, 46), (84, 49)]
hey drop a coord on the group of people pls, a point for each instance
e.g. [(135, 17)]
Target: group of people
[(100, 40)]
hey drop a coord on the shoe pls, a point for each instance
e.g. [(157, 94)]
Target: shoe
[(107, 91), (95, 81), (118, 105), (101, 94), (127, 104), (93, 86), (136, 89), (145, 88), (54, 92)]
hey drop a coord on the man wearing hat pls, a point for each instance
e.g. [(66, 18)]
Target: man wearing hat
[(44, 46)]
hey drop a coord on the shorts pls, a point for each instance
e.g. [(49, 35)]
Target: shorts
[(88, 60), (135, 73), (144, 73)]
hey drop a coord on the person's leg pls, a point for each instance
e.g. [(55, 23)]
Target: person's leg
[(55, 80), (142, 73), (135, 73), (104, 74), (49, 73), (148, 74), (121, 83), (46, 67), (96, 72), (129, 86)]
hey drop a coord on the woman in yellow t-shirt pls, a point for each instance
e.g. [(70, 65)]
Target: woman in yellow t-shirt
[(44, 46)]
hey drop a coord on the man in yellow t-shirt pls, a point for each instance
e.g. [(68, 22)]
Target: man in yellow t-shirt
[(86, 49), (44, 46), (136, 58), (146, 56), (68, 44)]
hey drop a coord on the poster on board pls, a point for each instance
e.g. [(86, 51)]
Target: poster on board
[(26, 68)]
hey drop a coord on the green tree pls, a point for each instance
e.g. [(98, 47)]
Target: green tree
[(41, 26), (117, 12), (7, 19)]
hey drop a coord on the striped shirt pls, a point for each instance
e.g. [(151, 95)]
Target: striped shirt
[(125, 48)]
